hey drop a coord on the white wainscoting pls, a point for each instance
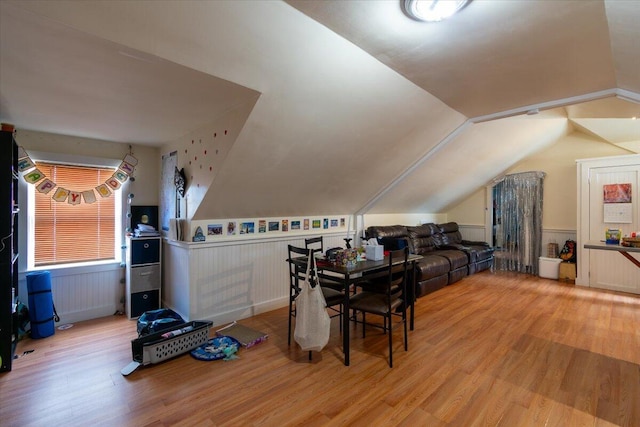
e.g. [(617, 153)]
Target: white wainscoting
[(232, 280), (83, 293), (474, 233)]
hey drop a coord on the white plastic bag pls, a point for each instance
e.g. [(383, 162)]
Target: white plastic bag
[(312, 320)]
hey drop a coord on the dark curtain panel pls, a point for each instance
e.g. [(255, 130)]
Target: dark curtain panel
[(518, 206)]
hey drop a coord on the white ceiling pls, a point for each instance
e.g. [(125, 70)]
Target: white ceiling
[(361, 76), (57, 79)]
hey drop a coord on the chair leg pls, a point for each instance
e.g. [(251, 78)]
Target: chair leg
[(406, 338), (310, 355), (390, 342), (364, 323), (290, 312)]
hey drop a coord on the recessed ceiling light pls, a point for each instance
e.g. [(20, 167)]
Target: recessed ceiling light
[(432, 10)]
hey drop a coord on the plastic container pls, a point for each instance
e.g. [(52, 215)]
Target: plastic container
[(549, 267)]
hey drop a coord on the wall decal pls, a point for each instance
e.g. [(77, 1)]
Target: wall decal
[(199, 235)]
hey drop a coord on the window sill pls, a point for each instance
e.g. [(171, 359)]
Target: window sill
[(78, 268)]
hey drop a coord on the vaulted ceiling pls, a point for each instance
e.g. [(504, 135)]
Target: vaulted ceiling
[(354, 107)]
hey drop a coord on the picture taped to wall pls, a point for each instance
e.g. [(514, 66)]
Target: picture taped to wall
[(285, 225), (274, 226), (617, 193), (247, 227), (325, 223), (316, 223), (295, 225), (214, 230), (306, 223), (334, 223), (262, 226), (231, 228)]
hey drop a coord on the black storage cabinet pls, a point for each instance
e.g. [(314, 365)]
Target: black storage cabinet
[(143, 290)]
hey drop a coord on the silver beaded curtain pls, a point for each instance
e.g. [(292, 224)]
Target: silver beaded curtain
[(518, 204)]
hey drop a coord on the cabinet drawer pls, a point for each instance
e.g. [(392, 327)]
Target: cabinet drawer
[(144, 301), (144, 278), (145, 251)]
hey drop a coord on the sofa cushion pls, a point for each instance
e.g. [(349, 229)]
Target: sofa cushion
[(387, 231), (458, 274), (482, 252), (448, 234), (431, 285), (431, 266), (421, 240), (457, 259)]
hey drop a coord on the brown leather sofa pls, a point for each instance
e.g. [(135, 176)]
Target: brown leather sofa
[(447, 258)]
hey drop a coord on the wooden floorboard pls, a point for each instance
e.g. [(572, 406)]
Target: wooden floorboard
[(495, 349)]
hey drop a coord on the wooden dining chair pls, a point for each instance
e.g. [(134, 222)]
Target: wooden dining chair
[(326, 280), (315, 243), (297, 274), (386, 297)]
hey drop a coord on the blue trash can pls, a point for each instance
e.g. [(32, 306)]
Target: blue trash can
[(41, 311)]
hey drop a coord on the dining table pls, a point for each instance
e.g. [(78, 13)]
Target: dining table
[(349, 275), (623, 250)]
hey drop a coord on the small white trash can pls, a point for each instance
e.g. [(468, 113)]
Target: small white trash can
[(549, 267)]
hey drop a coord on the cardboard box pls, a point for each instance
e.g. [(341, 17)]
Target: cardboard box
[(374, 253), (567, 271)]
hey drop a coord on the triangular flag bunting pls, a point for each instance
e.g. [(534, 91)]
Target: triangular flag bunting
[(60, 195)]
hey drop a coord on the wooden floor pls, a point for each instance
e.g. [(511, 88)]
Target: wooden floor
[(493, 349)]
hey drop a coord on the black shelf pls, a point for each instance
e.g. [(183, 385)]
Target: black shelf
[(9, 254)]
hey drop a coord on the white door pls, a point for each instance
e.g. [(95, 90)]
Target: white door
[(610, 269)]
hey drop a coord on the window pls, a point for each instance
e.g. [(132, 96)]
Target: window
[(64, 233)]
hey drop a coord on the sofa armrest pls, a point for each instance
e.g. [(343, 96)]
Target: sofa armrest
[(457, 247), (474, 243)]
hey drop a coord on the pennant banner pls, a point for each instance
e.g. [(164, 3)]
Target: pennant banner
[(60, 194), (89, 196), (44, 185)]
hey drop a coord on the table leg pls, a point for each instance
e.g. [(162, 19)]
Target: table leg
[(413, 297), (628, 256), (345, 321)]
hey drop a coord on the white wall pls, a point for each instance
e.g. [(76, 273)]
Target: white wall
[(403, 219), (560, 190)]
